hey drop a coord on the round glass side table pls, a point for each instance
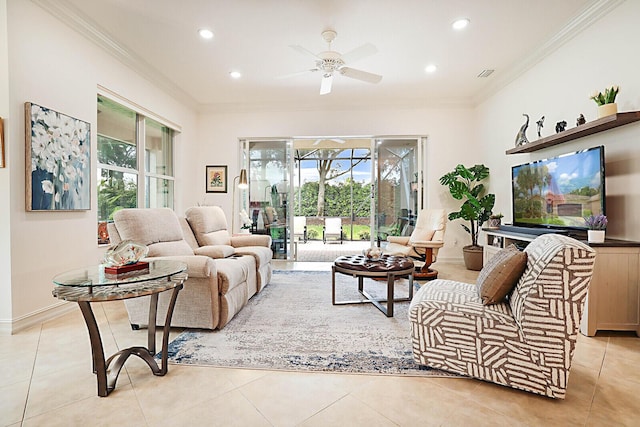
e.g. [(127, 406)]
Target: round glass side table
[(92, 284)]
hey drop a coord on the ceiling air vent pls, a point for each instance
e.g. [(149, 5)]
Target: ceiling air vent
[(485, 73)]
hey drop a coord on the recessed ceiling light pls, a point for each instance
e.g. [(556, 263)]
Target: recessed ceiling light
[(205, 33), (431, 68), (235, 74), (461, 23)]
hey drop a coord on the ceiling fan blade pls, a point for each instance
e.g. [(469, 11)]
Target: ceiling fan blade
[(359, 53), (325, 86), (304, 51), (360, 75), (299, 73)]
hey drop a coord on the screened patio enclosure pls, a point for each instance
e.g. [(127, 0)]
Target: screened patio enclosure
[(373, 185)]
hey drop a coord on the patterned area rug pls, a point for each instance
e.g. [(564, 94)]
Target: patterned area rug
[(292, 325)]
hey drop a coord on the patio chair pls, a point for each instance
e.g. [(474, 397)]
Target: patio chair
[(300, 227), (332, 228)]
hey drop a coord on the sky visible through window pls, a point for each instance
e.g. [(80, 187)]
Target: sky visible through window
[(309, 172)]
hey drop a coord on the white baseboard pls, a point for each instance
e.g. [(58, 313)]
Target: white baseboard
[(13, 326)]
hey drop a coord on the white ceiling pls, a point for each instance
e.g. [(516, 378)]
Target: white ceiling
[(159, 39)]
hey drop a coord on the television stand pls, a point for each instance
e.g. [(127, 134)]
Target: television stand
[(613, 302)]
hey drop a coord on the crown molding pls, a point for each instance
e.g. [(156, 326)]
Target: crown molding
[(85, 26), (590, 14)]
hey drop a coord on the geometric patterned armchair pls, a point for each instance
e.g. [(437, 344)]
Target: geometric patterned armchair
[(526, 342)]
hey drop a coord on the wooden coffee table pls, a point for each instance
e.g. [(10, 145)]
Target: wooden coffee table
[(387, 267)]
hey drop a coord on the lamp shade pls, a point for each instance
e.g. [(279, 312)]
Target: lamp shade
[(242, 183)]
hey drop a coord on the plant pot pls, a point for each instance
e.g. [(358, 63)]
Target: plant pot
[(607, 110), (494, 223), (595, 236), (472, 257)]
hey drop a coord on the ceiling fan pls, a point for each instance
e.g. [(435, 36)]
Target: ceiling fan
[(329, 62)]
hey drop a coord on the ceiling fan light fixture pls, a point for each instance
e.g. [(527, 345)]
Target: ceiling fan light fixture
[(460, 24), (431, 68), (205, 33), (329, 35), (330, 62)]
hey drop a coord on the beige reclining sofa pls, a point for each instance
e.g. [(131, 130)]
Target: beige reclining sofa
[(221, 280)]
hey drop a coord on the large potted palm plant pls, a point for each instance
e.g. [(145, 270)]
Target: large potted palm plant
[(466, 184)]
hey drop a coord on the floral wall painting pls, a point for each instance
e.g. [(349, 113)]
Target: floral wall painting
[(216, 179), (58, 161)]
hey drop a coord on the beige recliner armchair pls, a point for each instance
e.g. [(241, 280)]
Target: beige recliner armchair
[(423, 244), (209, 226)]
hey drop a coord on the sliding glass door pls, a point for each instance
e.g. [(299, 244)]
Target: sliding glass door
[(372, 185), (398, 195), (269, 170)]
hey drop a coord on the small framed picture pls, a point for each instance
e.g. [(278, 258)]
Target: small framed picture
[(216, 179)]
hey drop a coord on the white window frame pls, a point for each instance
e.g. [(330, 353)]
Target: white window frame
[(141, 173)]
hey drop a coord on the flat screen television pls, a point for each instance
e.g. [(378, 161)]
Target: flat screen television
[(557, 193)]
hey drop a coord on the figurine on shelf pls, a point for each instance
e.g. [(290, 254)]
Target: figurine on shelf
[(521, 137), (540, 124), (581, 120), (560, 126)]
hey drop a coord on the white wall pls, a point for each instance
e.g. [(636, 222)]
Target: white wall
[(52, 65), (450, 141), (5, 227), (559, 88)]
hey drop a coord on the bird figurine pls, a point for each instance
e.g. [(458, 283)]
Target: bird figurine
[(521, 137), (581, 120), (540, 124)]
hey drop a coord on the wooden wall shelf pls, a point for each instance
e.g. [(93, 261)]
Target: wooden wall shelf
[(589, 128)]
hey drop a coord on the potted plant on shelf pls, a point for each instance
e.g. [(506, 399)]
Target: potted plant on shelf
[(606, 101), (596, 225), (494, 221), (466, 184)]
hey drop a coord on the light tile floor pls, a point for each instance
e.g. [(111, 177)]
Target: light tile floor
[(46, 380), (314, 250)]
